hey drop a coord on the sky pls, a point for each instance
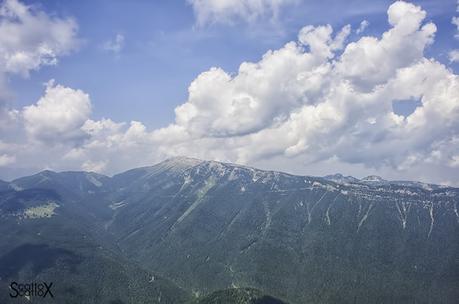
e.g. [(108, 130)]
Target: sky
[(307, 87)]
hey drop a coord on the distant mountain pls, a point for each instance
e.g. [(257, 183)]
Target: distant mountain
[(215, 229), (72, 185), (341, 179), (377, 180)]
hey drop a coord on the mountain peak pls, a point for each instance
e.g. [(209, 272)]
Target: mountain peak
[(46, 173), (179, 163), (184, 160), (340, 178)]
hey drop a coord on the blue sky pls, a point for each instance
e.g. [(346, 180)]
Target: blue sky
[(289, 85), (164, 49)]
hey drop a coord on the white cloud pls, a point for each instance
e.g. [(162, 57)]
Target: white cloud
[(318, 102), (371, 61), (6, 159), (363, 26), (94, 166), (314, 105), (115, 45), (455, 21), (226, 11), (29, 38), (454, 56), (58, 115)]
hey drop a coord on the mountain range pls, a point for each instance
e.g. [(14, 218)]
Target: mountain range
[(193, 231)]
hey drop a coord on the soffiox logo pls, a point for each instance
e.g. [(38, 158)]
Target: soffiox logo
[(30, 290)]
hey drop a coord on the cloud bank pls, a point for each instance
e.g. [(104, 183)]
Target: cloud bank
[(316, 101)]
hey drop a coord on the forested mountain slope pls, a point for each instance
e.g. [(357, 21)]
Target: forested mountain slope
[(209, 226)]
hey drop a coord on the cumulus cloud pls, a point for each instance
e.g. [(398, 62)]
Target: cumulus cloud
[(58, 115), (304, 100), (6, 159), (226, 11), (371, 61), (29, 38), (317, 100), (115, 45), (454, 56)]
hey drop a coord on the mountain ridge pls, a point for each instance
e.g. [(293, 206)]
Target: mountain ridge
[(208, 226), (183, 163)]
